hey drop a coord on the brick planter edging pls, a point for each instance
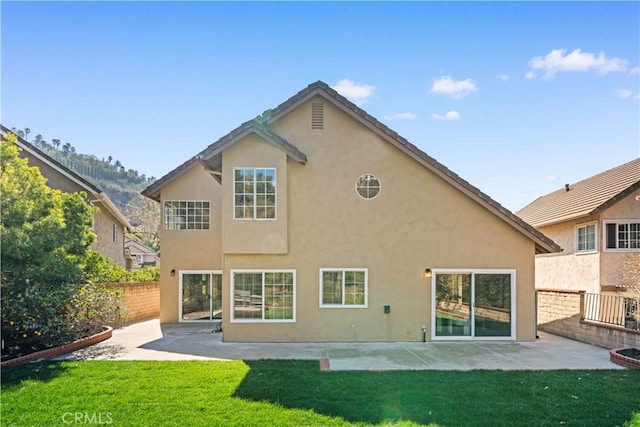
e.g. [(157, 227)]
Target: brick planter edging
[(619, 359), (60, 350)]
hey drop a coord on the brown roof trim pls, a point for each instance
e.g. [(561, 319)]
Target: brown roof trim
[(319, 88), (213, 150), (590, 196), (30, 148), (95, 193), (542, 243), (615, 199)]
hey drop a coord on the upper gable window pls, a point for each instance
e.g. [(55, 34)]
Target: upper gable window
[(622, 235), (368, 186), (254, 193), (586, 238), (186, 215)]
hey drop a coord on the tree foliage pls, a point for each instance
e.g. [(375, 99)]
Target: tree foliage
[(45, 232), (122, 185), (45, 237)]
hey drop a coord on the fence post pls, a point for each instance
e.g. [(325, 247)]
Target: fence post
[(582, 293)]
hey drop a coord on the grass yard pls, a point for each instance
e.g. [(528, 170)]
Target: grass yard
[(281, 393)]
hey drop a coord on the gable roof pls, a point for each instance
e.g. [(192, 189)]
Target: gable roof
[(590, 196), (542, 243), (93, 191), (212, 161)]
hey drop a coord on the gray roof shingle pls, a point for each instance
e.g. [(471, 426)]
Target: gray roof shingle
[(587, 197)]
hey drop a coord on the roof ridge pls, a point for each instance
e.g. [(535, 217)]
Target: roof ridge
[(321, 88)]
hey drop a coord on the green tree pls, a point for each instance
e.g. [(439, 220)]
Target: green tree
[(45, 235)]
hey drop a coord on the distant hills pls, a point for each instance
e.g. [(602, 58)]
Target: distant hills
[(123, 186)]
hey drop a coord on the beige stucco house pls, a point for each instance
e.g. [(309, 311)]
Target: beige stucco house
[(597, 223), (138, 255), (315, 222), (109, 224)]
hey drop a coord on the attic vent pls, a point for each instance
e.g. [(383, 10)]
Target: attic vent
[(317, 115)]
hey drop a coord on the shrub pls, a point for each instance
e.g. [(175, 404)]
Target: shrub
[(93, 307)]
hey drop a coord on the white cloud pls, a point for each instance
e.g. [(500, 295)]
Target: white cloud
[(637, 97), (558, 61), (550, 178), (635, 70), (530, 75), (455, 89), (400, 116), (502, 77), (355, 92), (450, 115), (623, 93)]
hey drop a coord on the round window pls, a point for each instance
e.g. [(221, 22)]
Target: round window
[(368, 186)]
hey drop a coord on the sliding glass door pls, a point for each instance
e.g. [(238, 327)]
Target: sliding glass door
[(453, 305), (200, 295), (473, 304)]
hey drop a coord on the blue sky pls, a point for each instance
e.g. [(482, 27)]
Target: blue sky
[(517, 98)]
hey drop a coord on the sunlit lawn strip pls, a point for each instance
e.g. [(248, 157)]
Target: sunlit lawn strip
[(205, 393)]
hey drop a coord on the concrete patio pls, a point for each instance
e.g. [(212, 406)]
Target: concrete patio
[(190, 341)]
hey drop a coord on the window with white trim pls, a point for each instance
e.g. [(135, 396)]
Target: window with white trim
[(586, 238), (343, 288), (186, 215), (263, 296), (254, 193), (368, 186), (622, 235)]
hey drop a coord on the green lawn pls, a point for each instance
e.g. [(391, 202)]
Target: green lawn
[(279, 393)]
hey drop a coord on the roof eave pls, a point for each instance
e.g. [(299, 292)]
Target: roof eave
[(615, 199), (543, 243), (251, 127)]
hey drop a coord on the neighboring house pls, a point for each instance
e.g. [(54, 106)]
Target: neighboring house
[(597, 222), (138, 255), (109, 224), (316, 222)]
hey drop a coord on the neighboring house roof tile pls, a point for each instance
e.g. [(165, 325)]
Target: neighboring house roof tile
[(137, 247), (543, 243), (93, 191), (590, 196)]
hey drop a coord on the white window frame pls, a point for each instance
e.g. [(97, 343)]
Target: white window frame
[(255, 206), (343, 271), (263, 320), (164, 215), (180, 278), (604, 235), (473, 272), (579, 251), (368, 176)]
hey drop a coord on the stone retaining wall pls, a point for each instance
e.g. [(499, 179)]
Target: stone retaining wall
[(560, 312)]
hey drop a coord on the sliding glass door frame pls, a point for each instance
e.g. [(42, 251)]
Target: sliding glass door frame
[(473, 272), (211, 274)]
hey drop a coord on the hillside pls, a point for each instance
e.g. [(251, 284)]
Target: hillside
[(123, 186)]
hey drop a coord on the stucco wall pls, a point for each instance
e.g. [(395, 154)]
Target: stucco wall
[(417, 221), (103, 225), (254, 236), (591, 272), (611, 261), (54, 178), (188, 249), (103, 221)]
